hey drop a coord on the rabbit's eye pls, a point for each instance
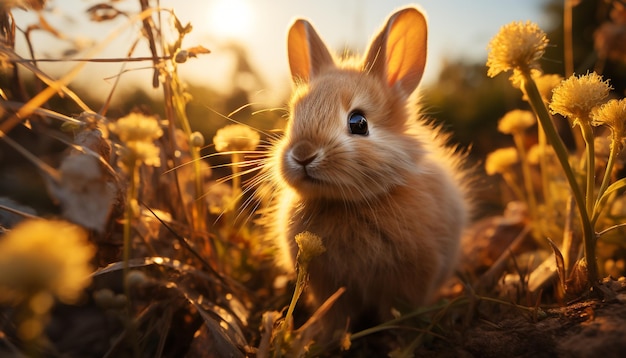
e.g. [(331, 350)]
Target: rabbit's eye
[(357, 123)]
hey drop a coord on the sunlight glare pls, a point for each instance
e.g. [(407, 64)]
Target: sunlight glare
[(230, 18)]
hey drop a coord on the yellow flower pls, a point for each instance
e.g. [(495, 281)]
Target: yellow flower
[(518, 47), (219, 197), (137, 127), (309, 246), (236, 137), (500, 160), (612, 114), (145, 152), (534, 153), (546, 84), (516, 121), (44, 256), (575, 97), (137, 133)]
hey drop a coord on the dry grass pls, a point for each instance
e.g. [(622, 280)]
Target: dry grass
[(180, 269)]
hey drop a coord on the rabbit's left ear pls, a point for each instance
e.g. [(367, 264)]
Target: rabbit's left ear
[(308, 55), (398, 52)]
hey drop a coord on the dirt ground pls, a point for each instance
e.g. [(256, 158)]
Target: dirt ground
[(586, 329)]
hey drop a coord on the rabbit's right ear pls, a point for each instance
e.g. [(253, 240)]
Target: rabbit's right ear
[(398, 53), (308, 54)]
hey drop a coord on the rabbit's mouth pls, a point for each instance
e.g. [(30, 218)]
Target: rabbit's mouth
[(304, 177)]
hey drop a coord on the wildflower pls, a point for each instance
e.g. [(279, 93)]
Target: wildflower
[(500, 160), (144, 152), (612, 114), (575, 97), (137, 127), (235, 137), (137, 132), (545, 85), (534, 153), (518, 47), (309, 246), (44, 256), (516, 121), (219, 197)]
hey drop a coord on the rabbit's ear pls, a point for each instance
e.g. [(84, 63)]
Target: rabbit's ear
[(398, 52), (308, 54)]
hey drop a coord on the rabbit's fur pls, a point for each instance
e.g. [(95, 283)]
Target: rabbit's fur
[(389, 206)]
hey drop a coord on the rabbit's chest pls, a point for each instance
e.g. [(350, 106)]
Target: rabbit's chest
[(354, 239)]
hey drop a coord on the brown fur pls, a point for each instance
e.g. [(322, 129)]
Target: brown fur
[(390, 206)]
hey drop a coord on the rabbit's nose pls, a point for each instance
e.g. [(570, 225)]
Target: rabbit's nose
[(303, 153)]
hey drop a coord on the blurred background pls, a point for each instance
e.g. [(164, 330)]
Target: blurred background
[(247, 71), (248, 62)]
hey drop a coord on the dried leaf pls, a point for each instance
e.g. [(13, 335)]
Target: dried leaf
[(209, 342), (180, 28), (560, 262), (197, 50), (103, 12), (577, 282)]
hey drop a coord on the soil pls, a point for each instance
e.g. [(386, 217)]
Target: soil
[(591, 328)]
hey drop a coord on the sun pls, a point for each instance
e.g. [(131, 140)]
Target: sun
[(230, 19)]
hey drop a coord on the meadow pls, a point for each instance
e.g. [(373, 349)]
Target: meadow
[(130, 228)]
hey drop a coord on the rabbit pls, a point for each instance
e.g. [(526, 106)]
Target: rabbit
[(358, 167)]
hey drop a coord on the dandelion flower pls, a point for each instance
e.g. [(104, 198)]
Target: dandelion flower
[(137, 127), (518, 47), (137, 133), (516, 121), (44, 256), (145, 152), (309, 246), (546, 84), (501, 160), (219, 197), (236, 137), (612, 114), (575, 97)]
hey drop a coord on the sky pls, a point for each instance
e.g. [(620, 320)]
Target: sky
[(458, 29)]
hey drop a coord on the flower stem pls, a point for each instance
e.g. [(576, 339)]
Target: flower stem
[(300, 283), (526, 174), (131, 207), (509, 179), (589, 237), (287, 324), (591, 170), (131, 199), (607, 176), (543, 165), (237, 159), (175, 102)]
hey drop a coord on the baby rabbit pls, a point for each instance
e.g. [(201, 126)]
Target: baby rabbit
[(360, 169)]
